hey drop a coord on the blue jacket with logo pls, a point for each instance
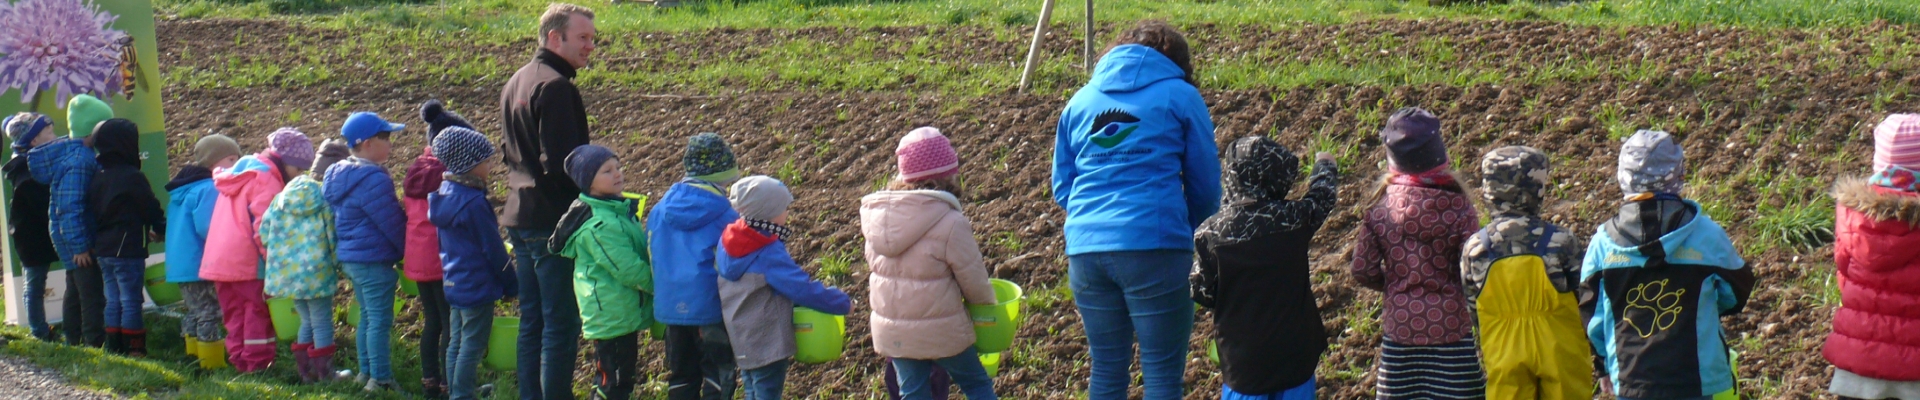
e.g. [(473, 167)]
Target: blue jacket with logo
[(685, 239), (1134, 159)]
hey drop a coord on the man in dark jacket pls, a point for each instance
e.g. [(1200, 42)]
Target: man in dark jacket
[(544, 120), (126, 214), (27, 216)]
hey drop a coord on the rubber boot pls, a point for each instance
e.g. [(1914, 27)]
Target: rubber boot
[(213, 355), (320, 362), (136, 342), (190, 346), (116, 342), (433, 388), (300, 363)]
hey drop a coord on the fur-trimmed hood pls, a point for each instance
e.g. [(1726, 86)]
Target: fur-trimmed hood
[(1878, 203)]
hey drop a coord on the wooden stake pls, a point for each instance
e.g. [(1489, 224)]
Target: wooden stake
[(1088, 50), (1033, 51)]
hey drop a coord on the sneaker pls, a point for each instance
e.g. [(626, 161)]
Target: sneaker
[(484, 391), (382, 386)]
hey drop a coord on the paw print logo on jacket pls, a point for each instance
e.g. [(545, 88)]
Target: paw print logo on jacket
[(1651, 308)]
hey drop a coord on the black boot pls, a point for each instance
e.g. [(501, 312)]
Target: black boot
[(116, 343)]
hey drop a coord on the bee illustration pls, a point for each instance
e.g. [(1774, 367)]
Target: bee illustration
[(129, 64)]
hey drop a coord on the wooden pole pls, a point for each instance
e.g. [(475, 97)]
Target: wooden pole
[(1087, 52), (1033, 50)]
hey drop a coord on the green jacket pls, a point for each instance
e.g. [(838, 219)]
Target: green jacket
[(612, 274)]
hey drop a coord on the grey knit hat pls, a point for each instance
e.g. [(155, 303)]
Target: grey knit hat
[(1651, 162), (331, 151), (760, 197), (213, 148), (461, 149)]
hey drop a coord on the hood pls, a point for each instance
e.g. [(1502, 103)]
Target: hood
[(347, 175), (1514, 180), (739, 240), (188, 175), (301, 198), (118, 141), (690, 206), (583, 209), (423, 176), (1257, 169), (231, 181), (1640, 222), (449, 192), (1423, 203), (894, 220), (17, 173), (1881, 204), (1131, 67)]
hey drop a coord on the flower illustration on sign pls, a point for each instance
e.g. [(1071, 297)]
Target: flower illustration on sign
[(60, 45)]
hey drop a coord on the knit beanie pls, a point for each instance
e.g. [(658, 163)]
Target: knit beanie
[(84, 112), (213, 148), (583, 164), (1651, 163), (363, 125), (760, 197), (1896, 142), (24, 127), (331, 151), (461, 149), (292, 146), (925, 154), (1413, 141), (709, 159), (438, 118)]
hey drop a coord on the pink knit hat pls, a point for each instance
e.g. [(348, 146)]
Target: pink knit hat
[(1896, 141), (925, 154)]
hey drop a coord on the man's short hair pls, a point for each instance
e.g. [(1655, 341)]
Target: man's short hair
[(557, 17)]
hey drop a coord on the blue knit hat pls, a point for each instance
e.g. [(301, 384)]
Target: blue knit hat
[(709, 159), (23, 128), (364, 125), (584, 164), (461, 149)]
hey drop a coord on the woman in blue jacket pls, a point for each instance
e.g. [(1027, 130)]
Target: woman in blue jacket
[(1134, 137)]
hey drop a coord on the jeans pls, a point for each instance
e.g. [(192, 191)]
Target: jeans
[(373, 286), (35, 297), (965, 369), (202, 319), (549, 343), (939, 383), (84, 308), (766, 382), (471, 328), (433, 337), (316, 321), (1127, 294), (618, 361), (124, 282), (699, 363)]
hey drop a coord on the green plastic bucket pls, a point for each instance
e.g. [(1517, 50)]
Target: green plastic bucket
[(286, 323), (353, 313), (161, 291), (992, 362), (500, 347), (409, 287), (994, 326), (820, 337), (1213, 351), (658, 330)]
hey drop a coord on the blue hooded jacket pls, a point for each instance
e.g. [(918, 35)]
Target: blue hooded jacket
[(366, 209), (685, 228), (1134, 159), (189, 216), (472, 256)]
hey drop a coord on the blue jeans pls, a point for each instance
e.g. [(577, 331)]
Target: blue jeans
[(373, 286), (766, 382), (549, 343), (965, 369), (125, 281), (36, 300), (1127, 294), (316, 321), (1302, 392), (471, 328)]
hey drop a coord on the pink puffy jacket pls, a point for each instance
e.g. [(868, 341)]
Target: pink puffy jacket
[(233, 240), (423, 239), (924, 261)]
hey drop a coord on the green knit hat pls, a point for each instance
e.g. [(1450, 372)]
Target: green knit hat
[(84, 112)]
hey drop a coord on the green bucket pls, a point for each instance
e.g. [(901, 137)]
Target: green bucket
[(658, 330), (409, 287), (500, 347), (161, 291), (353, 313), (995, 325), (820, 337), (286, 322), (1213, 351), (992, 362)]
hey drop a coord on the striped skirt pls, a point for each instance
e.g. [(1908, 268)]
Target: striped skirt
[(1443, 371)]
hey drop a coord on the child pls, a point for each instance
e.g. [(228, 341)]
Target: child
[(126, 215), (1879, 273), (926, 268), (66, 166), (190, 212), (685, 229), (611, 278), (1420, 211), (760, 283), (422, 263), (27, 216), (372, 232), (298, 232), (473, 259), (233, 259), (1254, 271), (1521, 272), (1657, 278)]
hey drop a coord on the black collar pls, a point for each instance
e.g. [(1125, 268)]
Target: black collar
[(554, 61)]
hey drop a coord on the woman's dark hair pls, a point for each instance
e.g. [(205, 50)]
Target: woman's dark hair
[(1163, 38)]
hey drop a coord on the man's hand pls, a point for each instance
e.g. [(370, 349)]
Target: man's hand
[(83, 260)]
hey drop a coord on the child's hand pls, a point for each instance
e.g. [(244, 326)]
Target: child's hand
[(83, 260), (1323, 156)]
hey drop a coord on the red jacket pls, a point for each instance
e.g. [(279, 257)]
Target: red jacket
[(1877, 256), (1409, 248), (423, 239)]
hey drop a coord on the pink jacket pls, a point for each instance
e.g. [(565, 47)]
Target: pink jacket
[(924, 261), (422, 258), (233, 241)]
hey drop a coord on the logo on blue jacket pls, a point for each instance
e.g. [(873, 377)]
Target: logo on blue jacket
[(1106, 131)]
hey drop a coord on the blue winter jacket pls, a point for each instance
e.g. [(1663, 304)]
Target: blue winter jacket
[(366, 209), (67, 167), (472, 255), (189, 215), (685, 228), (1134, 159)]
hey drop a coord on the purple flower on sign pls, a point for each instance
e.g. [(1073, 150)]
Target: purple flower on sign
[(58, 44)]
